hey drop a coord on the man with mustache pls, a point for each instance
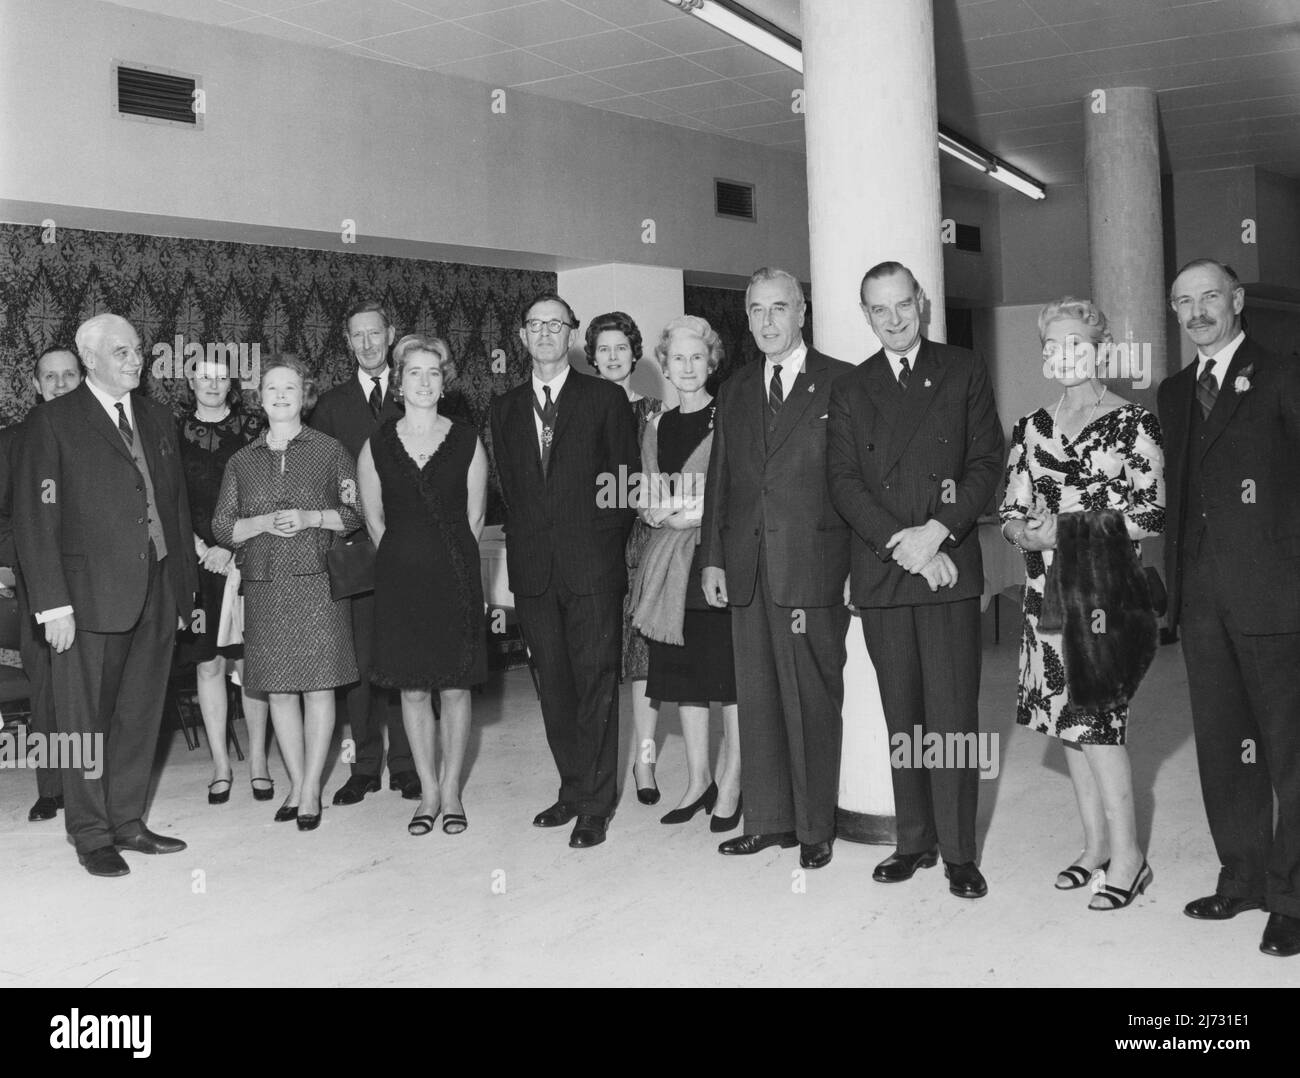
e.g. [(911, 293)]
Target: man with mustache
[(104, 541), (352, 412), (57, 371), (1231, 421)]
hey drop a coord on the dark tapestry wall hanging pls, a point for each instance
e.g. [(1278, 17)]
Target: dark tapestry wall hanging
[(283, 299)]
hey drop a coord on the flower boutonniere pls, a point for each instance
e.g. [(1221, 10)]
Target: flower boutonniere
[(1242, 382)]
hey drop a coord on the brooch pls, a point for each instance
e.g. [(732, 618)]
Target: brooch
[(1242, 382)]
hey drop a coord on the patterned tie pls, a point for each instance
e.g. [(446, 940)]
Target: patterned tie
[(1207, 389), (124, 426), (376, 397), (546, 412), (775, 394), (904, 372)]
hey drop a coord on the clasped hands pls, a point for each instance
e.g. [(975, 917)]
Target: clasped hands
[(668, 517), (916, 550), (286, 521)]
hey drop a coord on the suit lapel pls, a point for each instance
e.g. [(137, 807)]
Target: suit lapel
[(799, 400), (922, 389), (98, 419), (569, 401), (521, 421), (147, 436), (1226, 403)]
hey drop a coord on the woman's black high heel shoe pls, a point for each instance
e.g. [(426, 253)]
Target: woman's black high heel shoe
[(1116, 898), (222, 797), (706, 801), (308, 821), (720, 824), (647, 795), (262, 795), (285, 813)]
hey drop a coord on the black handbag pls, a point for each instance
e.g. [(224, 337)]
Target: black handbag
[(351, 566)]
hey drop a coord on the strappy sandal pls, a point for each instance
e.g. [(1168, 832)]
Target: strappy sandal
[(224, 796), (453, 823), (421, 825), (1078, 876), (262, 795), (1116, 898)]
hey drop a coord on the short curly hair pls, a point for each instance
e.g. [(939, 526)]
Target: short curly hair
[(625, 325), (692, 324), (1081, 310), (422, 342), (291, 362)]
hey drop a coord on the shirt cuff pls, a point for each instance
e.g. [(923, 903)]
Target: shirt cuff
[(50, 615)]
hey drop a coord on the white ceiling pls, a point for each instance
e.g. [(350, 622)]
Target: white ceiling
[(1012, 73)]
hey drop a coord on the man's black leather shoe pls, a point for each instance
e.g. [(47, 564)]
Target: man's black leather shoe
[(814, 854), (46, 808), (965, 880), (355, 789), (1281, 935), (747, 844), (142, 840), (105, 861), (588, 831), (898, 867), (557, 815), (408, 782), (1220, 907)]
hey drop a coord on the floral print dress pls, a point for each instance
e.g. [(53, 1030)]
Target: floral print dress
[(1115, 462)]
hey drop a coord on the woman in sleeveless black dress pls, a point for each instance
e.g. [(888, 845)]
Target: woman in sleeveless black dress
[(423, 487)]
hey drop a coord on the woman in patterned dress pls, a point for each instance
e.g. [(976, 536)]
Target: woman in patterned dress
[(217, 428), (1093, 451), (613, 348), (283, 498), (424, 488)]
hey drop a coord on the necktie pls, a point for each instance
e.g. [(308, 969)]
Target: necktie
[(904, 373), (775, 394), (1207, 389), (124, 426), (376, 397), (546, 412)]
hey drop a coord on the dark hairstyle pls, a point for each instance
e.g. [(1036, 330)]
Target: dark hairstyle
[(886, 269), (234, 393), (366, 306), (1234, 281), (36, 367), (548, 297), (616, 320)]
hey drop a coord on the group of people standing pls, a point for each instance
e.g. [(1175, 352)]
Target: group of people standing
[(807, 490)]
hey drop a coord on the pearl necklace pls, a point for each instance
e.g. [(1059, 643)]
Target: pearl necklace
[(1056, 415)]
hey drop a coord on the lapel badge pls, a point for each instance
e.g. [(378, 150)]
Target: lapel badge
[(927, 383), (811, 387)]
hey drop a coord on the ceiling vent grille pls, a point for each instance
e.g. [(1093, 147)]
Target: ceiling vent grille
[(159, 96), (734, 200)]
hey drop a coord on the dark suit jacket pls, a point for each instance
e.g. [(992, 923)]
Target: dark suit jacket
[(344, 413), (773, 494), (562, 518), (80, 511), (10, 440), (897, 459), (1254, 533)]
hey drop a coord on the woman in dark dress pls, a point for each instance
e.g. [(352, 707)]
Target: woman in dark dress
[(424, 489), (210, 435), (283, 499), (691, 660), (613, 348)]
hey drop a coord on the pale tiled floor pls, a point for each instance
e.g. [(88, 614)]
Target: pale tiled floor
[(359, 902)]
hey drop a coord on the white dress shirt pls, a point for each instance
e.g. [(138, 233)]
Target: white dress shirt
[(556, 384), (367, 381), (1222, 360), (791, 367), (896, 361)]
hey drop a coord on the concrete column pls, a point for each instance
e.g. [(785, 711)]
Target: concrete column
[(650, 294), (873, 195), (1125, 232)]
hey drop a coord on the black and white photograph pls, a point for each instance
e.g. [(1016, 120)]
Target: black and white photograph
[(651, 494)]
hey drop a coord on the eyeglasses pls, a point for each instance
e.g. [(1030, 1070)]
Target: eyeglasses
[(534, 325)]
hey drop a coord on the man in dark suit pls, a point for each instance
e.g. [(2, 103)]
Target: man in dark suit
[(557, 440), (57, 371), (915, 453), (351, 412), (104, 541), (775, 550), (1231, 422)]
